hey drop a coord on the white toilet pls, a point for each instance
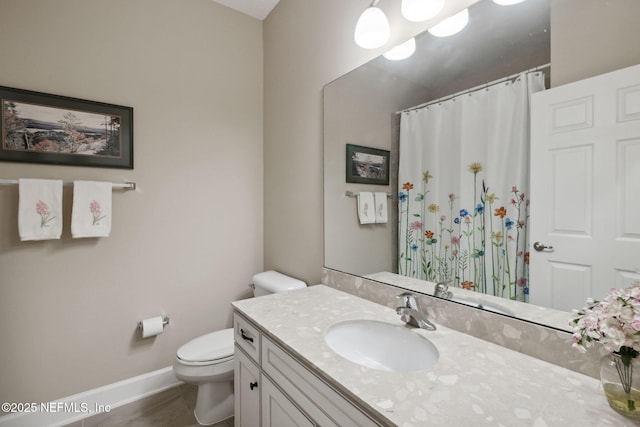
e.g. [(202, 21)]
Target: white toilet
[(208, 360)]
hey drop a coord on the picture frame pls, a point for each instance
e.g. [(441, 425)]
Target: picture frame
[(366, 165), (37, 127)]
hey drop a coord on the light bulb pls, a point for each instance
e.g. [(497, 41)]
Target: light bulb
[(507, 2), (402, 51), (451, 25), (421, 10), (372, 29)]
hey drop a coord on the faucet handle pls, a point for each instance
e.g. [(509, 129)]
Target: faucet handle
[(409, 300), (441, 290)]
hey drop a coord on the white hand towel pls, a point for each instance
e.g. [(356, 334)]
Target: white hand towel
[(366, 208), (381, 207), (91, 213), (40, 209)]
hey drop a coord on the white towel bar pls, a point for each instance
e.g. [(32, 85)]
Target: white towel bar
[(356, 193), (126, 185)]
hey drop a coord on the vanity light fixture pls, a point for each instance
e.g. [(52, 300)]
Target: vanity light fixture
[(451, 25), (372, 30), (421, 10), (402, 51), (507, 2)]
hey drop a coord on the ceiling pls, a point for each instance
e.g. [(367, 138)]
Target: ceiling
[(259, 9), (498, 41)]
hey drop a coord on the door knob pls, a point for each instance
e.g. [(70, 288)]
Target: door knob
[(541, 247)]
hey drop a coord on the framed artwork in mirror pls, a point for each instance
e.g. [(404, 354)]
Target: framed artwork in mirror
[(43, 128), (367, 165)]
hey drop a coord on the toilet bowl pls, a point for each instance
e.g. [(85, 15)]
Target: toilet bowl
[(207, 361)]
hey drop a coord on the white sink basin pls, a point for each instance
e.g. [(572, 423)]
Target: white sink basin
[(381, 346)]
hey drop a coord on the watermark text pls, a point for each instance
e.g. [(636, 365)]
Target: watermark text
[(53, 407)]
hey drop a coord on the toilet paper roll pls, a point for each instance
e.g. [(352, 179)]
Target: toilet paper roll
[(152, 326)]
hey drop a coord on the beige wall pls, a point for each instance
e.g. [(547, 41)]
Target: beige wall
[(591, 37), (187, 242), (358, 109)]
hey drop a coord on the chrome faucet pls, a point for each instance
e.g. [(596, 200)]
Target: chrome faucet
[(411, 314), (442, 291)]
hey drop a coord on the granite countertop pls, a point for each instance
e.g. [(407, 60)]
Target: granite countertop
[(474, 382)]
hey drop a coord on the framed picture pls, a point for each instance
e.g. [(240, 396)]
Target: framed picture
[(367, 165), (42, 128)]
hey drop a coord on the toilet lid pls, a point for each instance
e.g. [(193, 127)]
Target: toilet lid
[(212, 346)]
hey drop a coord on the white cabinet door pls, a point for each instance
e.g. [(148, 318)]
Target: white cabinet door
[(278, 410), (585, 188), (247, 391)]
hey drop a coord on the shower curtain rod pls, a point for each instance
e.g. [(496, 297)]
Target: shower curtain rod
[(474, 89)]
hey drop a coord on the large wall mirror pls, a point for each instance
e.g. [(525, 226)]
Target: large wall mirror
[(361, 108)]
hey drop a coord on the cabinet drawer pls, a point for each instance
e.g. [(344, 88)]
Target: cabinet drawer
[(247, 336), (321, 402)]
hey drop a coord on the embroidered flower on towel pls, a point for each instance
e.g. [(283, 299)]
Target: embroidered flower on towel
[(45, 216), (94, 207), (365, 209)]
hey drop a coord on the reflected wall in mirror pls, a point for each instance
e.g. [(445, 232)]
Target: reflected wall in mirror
[(499, 41)]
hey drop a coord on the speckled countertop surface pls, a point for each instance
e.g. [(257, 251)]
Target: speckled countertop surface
[(474, 382)]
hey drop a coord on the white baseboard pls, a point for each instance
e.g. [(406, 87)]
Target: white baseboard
[(83, 405)]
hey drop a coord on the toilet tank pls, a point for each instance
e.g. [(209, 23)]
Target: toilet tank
[(272, 282)]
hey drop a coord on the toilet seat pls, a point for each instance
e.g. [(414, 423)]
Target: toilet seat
[(212, 348)]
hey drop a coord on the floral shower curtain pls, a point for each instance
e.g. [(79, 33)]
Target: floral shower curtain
[(463, 196)]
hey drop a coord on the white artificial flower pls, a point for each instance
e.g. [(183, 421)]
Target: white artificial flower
[(614, 321)]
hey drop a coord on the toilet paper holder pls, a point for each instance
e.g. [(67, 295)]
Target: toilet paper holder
[(165, 322)]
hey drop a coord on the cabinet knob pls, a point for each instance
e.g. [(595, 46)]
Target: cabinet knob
[(253, 385)]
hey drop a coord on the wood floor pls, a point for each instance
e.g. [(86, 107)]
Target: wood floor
[(171, 408)]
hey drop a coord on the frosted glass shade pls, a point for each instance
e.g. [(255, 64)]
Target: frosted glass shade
[(372, 29), (421, 10), (451, 25), (402, 51)]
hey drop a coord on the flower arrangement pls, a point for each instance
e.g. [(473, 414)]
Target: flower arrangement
[(614, 322)]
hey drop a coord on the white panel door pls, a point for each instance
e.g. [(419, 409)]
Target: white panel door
[(585, 189)]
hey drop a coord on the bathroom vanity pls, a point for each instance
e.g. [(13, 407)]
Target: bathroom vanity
[(286, 374), (274, 389)]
